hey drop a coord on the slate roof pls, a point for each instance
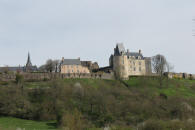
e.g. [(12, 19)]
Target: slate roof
[(135, 54), (12, 69), (121, 48), (31, 68), (15, 69), (71, 62)]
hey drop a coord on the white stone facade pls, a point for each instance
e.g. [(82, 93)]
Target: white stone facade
[(127, 63)]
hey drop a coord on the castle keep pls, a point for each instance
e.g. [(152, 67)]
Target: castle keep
[(126, 63)]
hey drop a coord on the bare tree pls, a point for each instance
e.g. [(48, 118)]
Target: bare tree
[(169, 67), (49, 66), (159, 64), (56, 65)]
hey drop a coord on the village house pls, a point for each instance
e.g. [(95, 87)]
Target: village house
[(73, 66)]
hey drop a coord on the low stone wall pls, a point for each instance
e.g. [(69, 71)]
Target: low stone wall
[(180, 76), (49, 76)]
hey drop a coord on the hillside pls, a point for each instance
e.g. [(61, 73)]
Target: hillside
[(92, 103)]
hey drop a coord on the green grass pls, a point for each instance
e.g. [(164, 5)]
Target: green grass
[(171, 87), (174, 87), (9, 123)]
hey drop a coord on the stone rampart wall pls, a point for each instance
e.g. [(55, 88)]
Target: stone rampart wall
[(49, 76)]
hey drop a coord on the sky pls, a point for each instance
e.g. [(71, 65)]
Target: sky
[(90, 29)]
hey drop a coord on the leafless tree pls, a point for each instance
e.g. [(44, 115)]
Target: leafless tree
[(159, 64), (169, 67), (49, 66), (56, 65)]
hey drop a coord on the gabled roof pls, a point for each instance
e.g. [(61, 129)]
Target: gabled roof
[(71, 62)]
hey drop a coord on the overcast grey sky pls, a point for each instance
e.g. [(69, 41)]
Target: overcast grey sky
[(90, 29)]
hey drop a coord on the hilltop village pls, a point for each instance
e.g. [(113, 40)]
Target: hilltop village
[(122, 63)]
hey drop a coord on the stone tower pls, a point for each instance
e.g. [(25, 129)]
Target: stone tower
[(120, 61)]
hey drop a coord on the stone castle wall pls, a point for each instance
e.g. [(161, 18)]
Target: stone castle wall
[(49, 76), (180, 75)]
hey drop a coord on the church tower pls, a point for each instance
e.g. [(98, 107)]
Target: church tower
[(28, 64)]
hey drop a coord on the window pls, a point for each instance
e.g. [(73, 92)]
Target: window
[(134, 68), (130, 66), (140, 69), (72, 71), (140, 63), (77, 71), (133, 63)]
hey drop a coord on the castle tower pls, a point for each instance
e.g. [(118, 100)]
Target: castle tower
[(120, 62)]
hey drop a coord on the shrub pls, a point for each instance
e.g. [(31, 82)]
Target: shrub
[(152, 125), (19, 78), (72, 120)]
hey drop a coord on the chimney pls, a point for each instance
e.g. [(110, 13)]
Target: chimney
[(127, 50), (79, 58), (62, 59), (140, 51)]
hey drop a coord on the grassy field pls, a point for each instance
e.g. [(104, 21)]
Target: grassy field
[(173, 87), (9, 123)]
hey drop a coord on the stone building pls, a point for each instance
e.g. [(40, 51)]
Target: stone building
[(90, 65), (73, 66), (127, 63), (17, 69), (29, 67)]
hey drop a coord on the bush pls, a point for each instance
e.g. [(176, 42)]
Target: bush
[(72, 121), (19, 78), (152, 125)]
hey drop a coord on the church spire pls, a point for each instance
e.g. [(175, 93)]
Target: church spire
[(28, 64)]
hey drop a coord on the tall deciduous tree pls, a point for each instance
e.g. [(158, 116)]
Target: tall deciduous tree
[(159, 64)]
